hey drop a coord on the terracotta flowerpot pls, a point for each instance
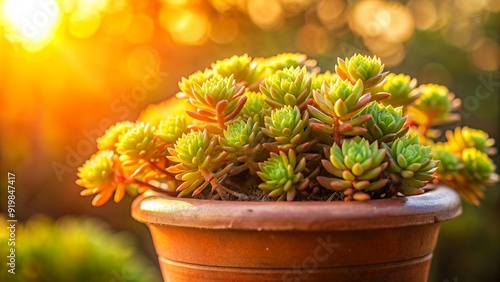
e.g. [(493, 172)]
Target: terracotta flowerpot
[(379, 240)]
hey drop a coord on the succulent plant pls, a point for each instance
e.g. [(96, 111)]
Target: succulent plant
[(435, 106), (242, 68), (402, 89), (278, 126), (170, 129), (475, 171), (98, 177), (341, 99), (242, 140), (465, 137), (138, 143), (154, 114), (413, 164), (282, 175), (110, 137), (356, 165), (365, 68), (83, 249), (289, 128), (385, 124), (186, 85), (449, 163), (286, 60), (217, 101), (290, 86), (478, 166), (255, 105), (199, 163), (335, 105)]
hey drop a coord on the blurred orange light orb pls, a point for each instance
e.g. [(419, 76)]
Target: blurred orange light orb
[(188, 27), (267, 14), (84, 24)]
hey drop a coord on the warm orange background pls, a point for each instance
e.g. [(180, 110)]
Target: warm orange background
[(70, 68)]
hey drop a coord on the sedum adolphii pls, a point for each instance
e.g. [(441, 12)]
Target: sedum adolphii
[(280, 129)]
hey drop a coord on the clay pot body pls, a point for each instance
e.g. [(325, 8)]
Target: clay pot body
[(378, 240)]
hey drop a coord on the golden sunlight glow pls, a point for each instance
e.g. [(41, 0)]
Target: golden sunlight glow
[(33, 23), (180, 4), (141, 29), (313, 39), (92, 5), (485, 54), (84, 24), (188, 27), (332, 13), (223, 29), (267, 14)]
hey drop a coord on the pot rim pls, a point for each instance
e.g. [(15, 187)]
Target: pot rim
[(433, 206)]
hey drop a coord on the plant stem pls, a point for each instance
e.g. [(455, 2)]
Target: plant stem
[(160, 170), (336, 131)]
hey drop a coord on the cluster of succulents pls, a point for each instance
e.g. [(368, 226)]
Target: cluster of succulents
[(278, 127), (78, 249)]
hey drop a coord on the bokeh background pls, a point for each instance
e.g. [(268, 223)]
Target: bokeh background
[(70, 68)]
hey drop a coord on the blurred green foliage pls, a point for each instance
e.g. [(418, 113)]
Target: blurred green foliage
[(73, 249)]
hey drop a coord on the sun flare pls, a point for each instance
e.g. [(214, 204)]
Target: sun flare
[(33, 23)]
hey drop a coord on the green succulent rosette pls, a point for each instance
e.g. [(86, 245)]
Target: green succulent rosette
[(449, 163), (412, 163), (477, 166), (335, 106), (110, 137), (465, 137), (402, 89), (385, 124), (138, 144), (254, 106), (476, 172), (365, 68), (217, 101), (242, 141), (434, 107), (242, 68), (282, 175), (340, 100), (239, 134), (97, 172), (186, 85), (199, 162), (286, 60), (357, 164), (171, 129), (97, 176), (289, 128), (290, 86)]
